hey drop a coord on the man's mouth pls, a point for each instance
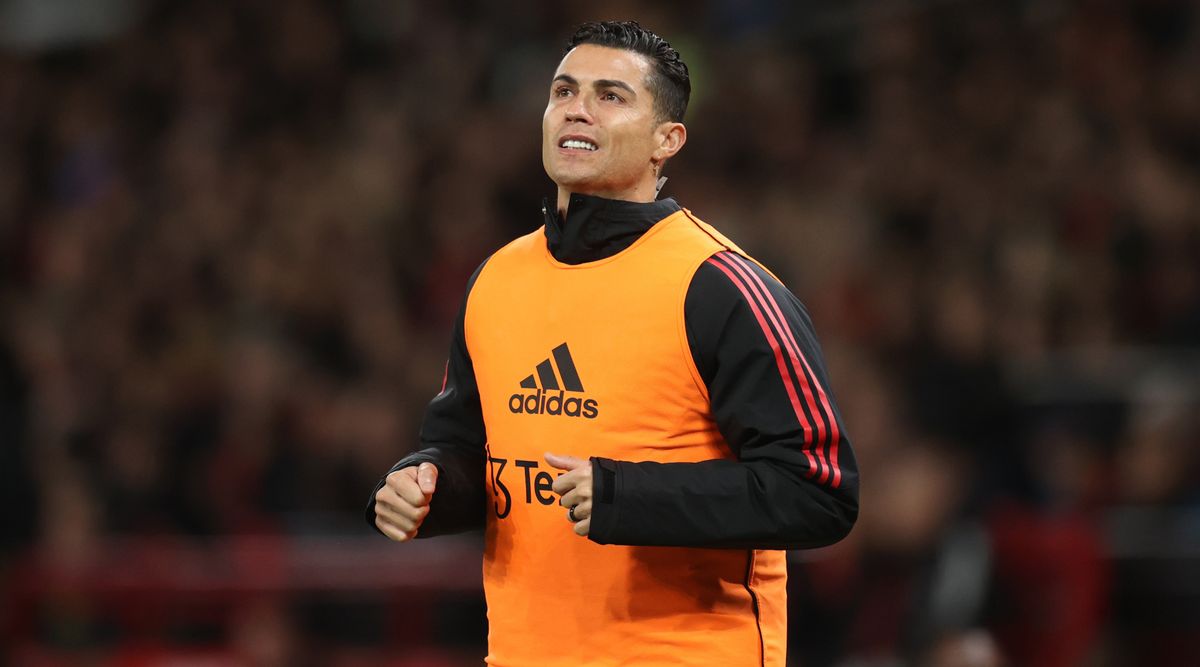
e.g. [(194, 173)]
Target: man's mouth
[(577, 144)]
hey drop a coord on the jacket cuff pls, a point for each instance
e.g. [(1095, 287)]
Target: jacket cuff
[(606, 482)]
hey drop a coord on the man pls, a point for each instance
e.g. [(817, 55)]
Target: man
[(627, 363)]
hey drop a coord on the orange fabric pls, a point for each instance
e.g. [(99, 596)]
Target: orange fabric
[(555, 598)]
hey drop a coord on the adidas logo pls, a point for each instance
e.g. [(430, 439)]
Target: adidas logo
[(549, 395)]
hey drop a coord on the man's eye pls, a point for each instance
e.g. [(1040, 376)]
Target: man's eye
[(562, 91), (612, 97)]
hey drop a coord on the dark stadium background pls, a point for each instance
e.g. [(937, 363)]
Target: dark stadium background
[(233, 236)]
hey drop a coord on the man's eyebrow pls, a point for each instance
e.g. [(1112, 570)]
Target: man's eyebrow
[(598, 83), (614, 83)]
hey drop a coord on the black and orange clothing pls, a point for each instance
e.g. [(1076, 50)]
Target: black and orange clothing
[(637, 335)]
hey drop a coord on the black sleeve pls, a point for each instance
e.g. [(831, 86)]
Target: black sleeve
[(794, 483), (452, 438)]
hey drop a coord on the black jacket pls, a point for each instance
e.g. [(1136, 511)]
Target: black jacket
[(783, 492)]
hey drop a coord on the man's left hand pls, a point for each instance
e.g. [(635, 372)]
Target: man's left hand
[(574, 488)]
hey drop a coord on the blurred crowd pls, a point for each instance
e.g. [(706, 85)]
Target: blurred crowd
[(233, 236)]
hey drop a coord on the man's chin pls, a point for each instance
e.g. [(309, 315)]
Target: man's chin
[(574, 181)]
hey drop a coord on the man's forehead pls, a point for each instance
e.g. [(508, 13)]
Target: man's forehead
[(590, 61)]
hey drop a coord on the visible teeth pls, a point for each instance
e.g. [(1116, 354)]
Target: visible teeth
[(577, 143)]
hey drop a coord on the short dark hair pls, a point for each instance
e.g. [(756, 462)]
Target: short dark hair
[(670, 82)]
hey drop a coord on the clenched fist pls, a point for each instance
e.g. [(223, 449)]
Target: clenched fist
[(574, 488), (402, 503)]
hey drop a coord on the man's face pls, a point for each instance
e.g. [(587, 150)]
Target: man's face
[(599, 130)]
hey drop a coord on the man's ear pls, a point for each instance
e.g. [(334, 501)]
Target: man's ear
[(671, 137)]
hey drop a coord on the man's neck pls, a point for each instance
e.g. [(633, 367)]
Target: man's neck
[(642, 193)]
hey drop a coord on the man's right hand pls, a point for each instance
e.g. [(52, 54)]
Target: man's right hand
[(402, 503)]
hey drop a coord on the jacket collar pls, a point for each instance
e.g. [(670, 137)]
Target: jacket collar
[(596, 228)]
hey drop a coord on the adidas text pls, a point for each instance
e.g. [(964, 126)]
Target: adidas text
[(543, 403)]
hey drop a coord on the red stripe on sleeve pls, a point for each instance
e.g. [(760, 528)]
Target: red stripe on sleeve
[(818, 445), (835, 434), (774, 343)]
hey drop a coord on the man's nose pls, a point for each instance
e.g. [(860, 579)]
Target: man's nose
[(577, 109)]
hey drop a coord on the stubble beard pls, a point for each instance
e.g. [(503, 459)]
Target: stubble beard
[(576, 175)]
